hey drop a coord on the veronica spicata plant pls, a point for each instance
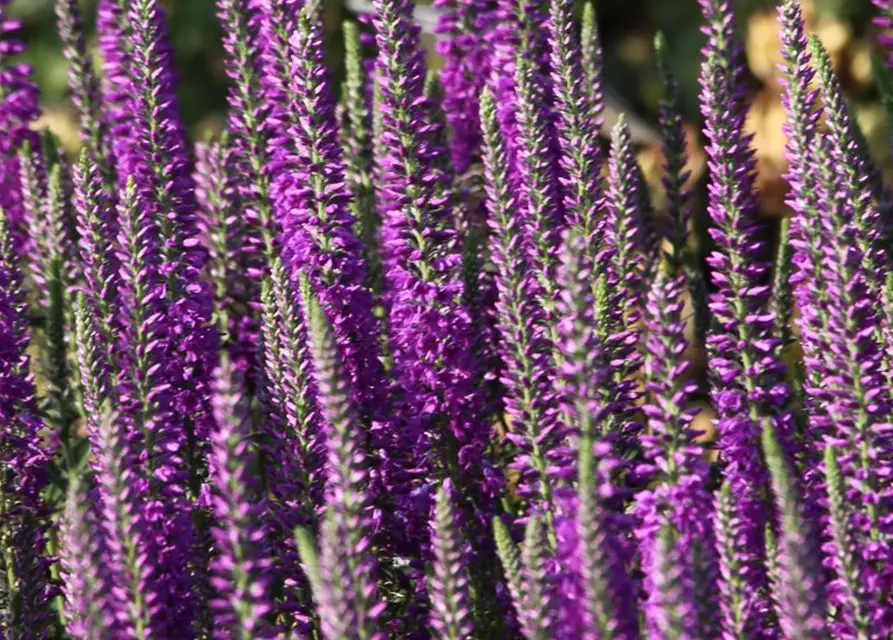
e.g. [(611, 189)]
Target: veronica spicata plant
[(417, 364)]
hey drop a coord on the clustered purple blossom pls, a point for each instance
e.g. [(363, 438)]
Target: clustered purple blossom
[(417, 365)]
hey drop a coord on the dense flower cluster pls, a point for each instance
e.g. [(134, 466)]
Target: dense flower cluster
[(417, 364)]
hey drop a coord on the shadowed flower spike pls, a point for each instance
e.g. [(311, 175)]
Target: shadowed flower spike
[(289, 373), (231, 253), (593, 61), (582, 371), (34, 180), (89, 607), (681, 257), (510, 558), (578, 128), (782, 287), (536, 608), (357, 141), (351, 607), (626, 236), (595, 355), (292, 447), (675, 161), (800, 591), (216, 192), (748, 374), (98, 232), (525, 348), (674, 607), (24, 456), (241, 567), (448, 586), (92, 366), (847, 149), (85, 87)]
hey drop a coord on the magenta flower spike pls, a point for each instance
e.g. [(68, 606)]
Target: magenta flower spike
[(748, 374)]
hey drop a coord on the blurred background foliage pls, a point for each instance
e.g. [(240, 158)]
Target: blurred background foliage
[(627, 27)]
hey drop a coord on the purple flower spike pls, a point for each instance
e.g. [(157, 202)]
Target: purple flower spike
[(23, 454), (241, 566), (448, 588), (85, 87), (884, 21), (593, 61), (162, 174), (313, 208), (606, 591), (669, 442), (89, 607), (689, 598), (628, 248), (857, 394), (849, 591), (808, 241), (800, 588), (147, 397), (18, 109), (525, 348), (464, 28), (98, 232), (129, 533), (431, 335), (578, 126), (349, 606), (249, 124), (748, 375), (540, 197)]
